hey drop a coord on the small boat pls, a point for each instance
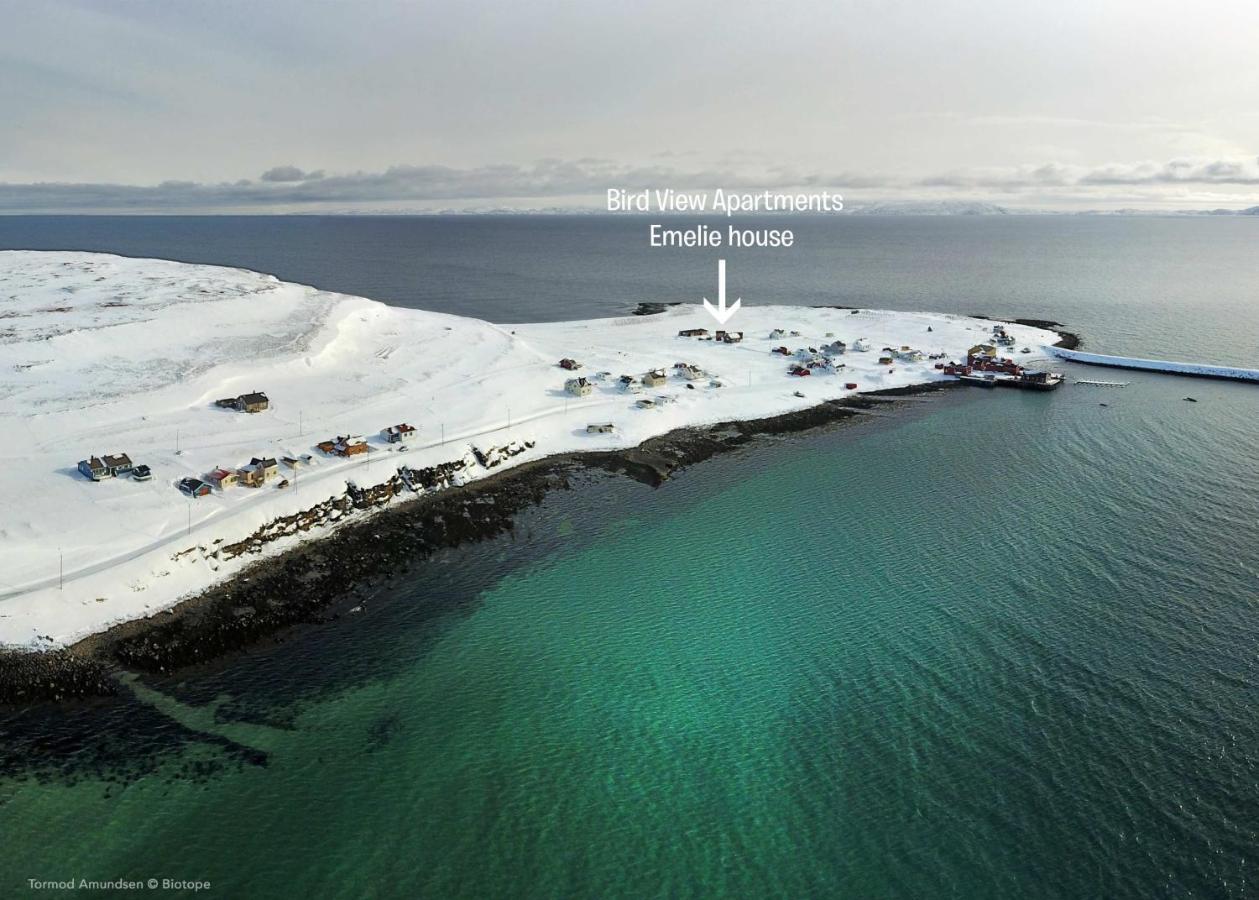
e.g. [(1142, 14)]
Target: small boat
[(1102, 383), (798, 394), (1033, 381)]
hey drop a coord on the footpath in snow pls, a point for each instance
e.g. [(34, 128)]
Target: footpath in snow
[(105, 356)]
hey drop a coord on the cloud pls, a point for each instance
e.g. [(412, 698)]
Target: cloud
[(290, 173), (289, 188)]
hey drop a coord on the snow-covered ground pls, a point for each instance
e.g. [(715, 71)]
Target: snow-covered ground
[(101, 355)]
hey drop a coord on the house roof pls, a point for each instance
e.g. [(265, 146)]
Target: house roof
[(121, 459), (255, 397)]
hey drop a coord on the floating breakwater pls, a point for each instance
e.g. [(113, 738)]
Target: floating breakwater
[(1194, 370)]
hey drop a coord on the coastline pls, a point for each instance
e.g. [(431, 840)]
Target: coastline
[(302, 586)]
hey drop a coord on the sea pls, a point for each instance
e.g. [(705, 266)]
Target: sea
[(985, 644)]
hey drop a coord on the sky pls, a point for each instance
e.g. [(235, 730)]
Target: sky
[(321, 106)]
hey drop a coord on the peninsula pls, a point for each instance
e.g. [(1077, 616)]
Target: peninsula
[(169, 424)]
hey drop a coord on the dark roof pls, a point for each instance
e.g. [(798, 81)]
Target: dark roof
[(266, 461), (255, 397), (121, 459)]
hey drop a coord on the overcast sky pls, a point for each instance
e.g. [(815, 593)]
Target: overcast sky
[(301, 105)]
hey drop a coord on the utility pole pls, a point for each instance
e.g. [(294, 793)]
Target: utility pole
[(299, 424), (177, 451), (190, 516), (61, 569), (443, 434)]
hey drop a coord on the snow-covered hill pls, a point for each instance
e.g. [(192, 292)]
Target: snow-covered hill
[(102, 355)]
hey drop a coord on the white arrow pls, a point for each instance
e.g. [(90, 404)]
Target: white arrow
[(721, 312)]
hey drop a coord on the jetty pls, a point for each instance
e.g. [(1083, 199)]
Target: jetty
[(1193, 370)]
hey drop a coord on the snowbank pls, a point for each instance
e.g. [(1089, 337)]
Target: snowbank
[(102, 355)]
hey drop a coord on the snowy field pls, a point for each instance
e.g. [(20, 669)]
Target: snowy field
[(105, 355)]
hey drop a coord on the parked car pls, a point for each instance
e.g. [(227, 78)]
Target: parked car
[(141, 473)]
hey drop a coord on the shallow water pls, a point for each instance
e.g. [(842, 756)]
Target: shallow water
[(994, 644)]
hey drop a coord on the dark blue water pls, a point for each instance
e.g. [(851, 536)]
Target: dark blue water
[(996, 644)]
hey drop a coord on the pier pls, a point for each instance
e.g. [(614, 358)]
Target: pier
[(1193, 370)]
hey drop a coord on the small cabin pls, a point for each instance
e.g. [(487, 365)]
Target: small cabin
[(690, 372), (777, 334), (885, 360), (605, 428), (654, 378), (645, 403), (578, 387), (693, 332), (398, 434), (861, 345), (254, 402), (571, 364)]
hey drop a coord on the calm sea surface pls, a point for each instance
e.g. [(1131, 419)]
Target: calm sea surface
[(992, 645)]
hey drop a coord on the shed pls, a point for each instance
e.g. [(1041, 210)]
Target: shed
[(578, 387), (571, 364), (654, 378), (605, 428), (693, 332)]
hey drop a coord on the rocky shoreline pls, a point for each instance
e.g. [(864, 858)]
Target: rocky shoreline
[(315, 582)]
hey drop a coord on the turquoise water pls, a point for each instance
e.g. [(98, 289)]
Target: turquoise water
[(974, 650)]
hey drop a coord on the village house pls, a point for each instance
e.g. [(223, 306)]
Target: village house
[(254, 402), (223, 478), (693, 332), (347, 445), (107, 466), (578, 387), (690, 372), (777, 334), (730, 337), (194, 487), (263, 470), (605, 428), (654, 378), (398, 434), (861, 345), (571, 364)]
